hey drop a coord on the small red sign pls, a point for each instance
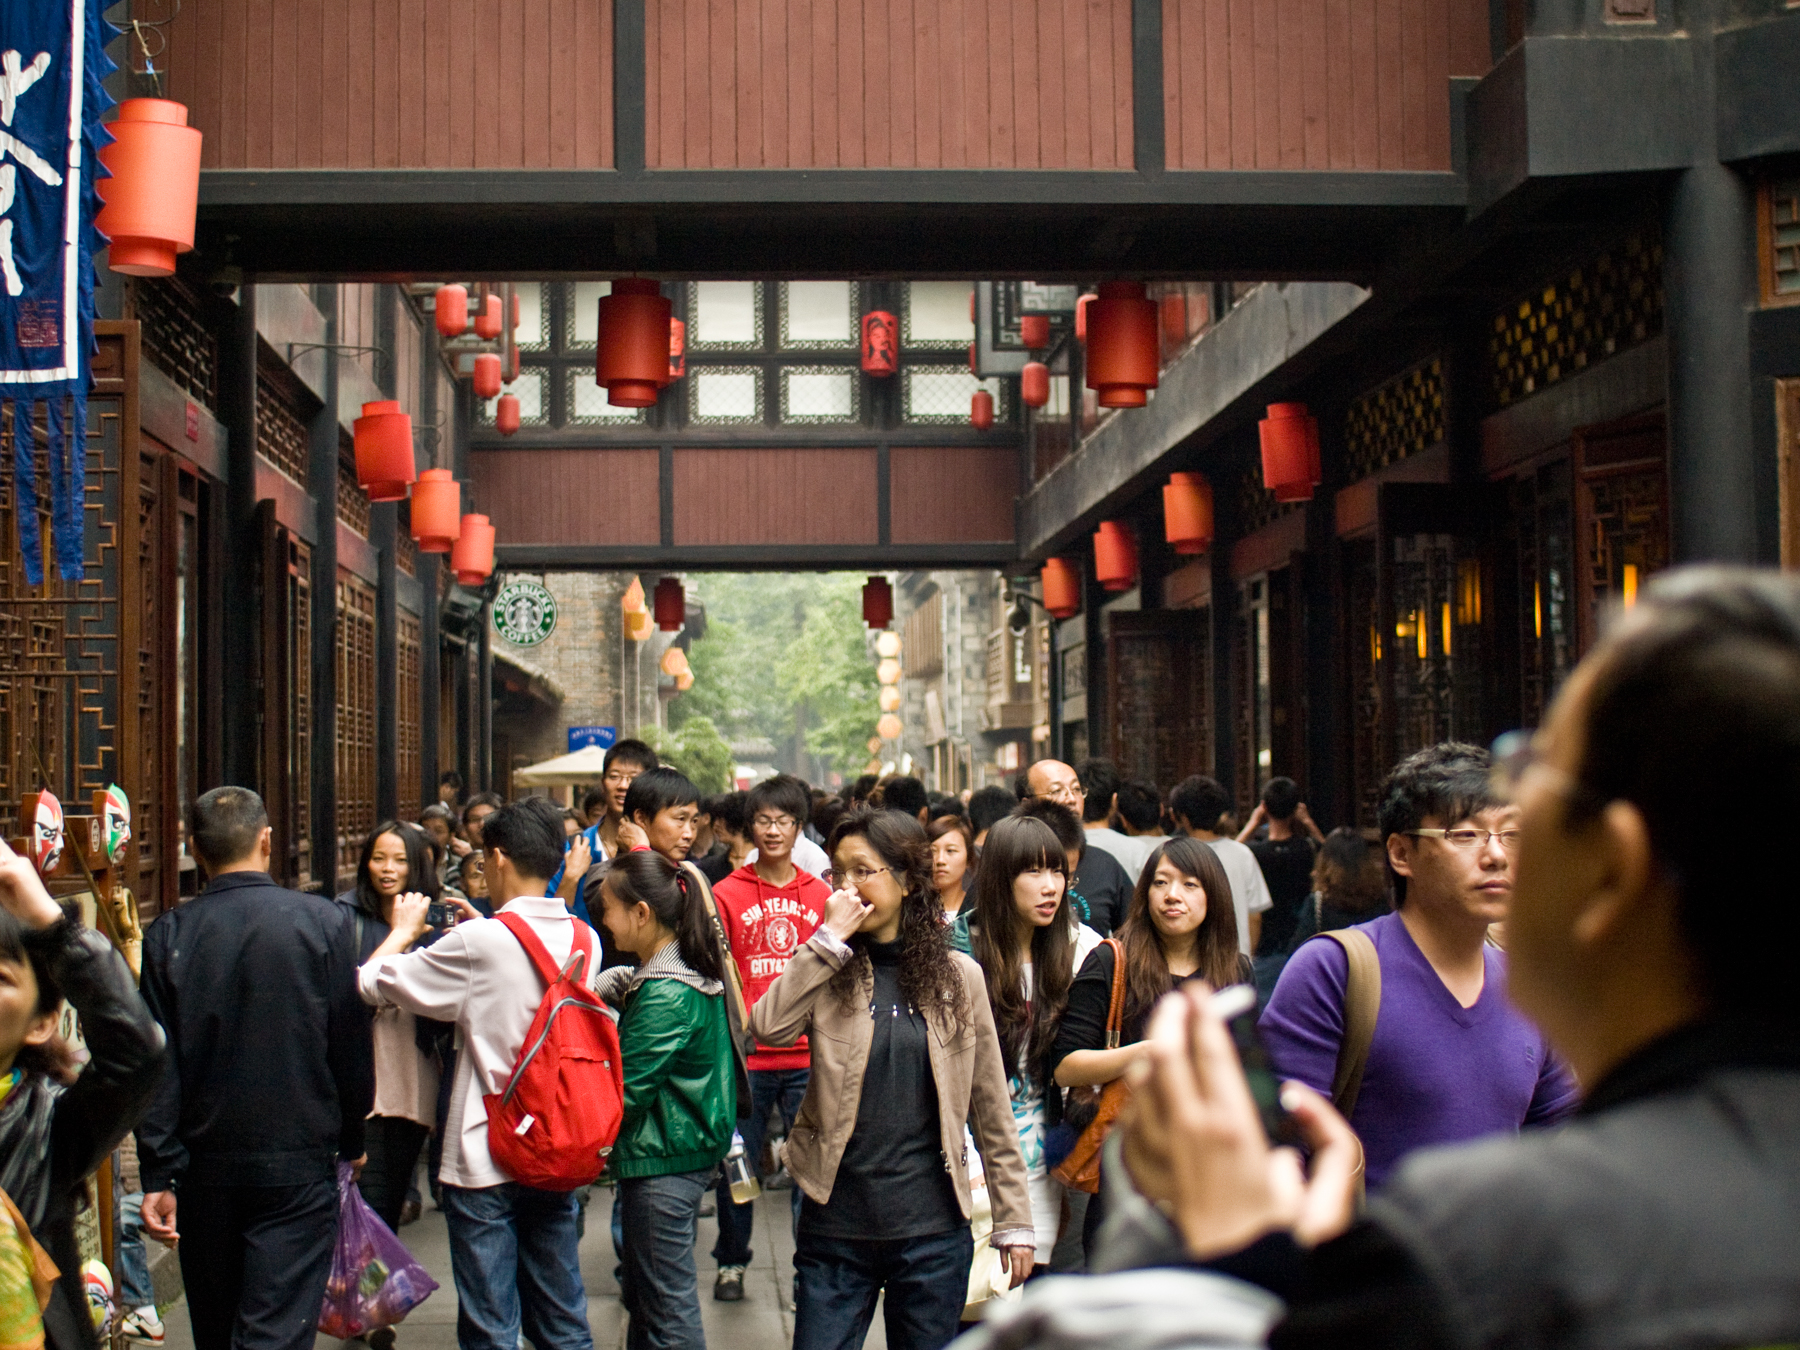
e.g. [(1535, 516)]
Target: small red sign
[(193, 421)]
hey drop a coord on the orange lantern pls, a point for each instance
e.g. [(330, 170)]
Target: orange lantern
[(889, 727), (1188, 512), (1034, 384), (674, 662), (632, 602), (981, 409), (1081, 317), (1115, 556), (677, 349), (436, 504), (384, 451), (1290, 452), (1122, 345), (487, 375), (451, 311), (685, 681), (148, 203), (670, 604), (472, 556), (1034, 331), (487, 323), (506, 414), (1061, 581), (877, 602), (631, 361), (880, 343), (1173, 308)]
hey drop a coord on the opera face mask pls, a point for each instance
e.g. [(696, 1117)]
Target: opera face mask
[(118, 822), (47, 833)]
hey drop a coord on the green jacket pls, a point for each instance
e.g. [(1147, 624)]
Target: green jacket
[(680, 1094)]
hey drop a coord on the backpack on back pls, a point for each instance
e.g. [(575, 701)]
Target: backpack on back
[(554, 1125)]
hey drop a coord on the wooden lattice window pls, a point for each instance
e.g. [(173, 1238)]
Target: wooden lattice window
[(406, 553), (1778, 237), (355, 718), (352, 500), (300, 707), (922, 648), (1400, 418), (175, 337), (1256, 505), (406, 719), (280, 434)]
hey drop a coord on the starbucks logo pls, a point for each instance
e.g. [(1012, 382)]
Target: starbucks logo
[(524, 613)]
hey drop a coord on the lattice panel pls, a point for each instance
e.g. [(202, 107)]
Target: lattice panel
[(355, 717), (1781, 241), (1256, 505), (300, 708), (407, 717), (175, 337), (1364, 652), (1400, 418), (280, 434), (1607, 305), (406, 552), (352, 500)]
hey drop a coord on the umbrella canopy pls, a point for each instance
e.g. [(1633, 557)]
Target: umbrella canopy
[(586, 765)]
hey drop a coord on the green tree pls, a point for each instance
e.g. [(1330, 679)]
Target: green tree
[(697, 750)]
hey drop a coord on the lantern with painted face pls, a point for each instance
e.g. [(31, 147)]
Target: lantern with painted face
[(117, 815), (46, 832)]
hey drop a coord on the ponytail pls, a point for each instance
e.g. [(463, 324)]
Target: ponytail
[(647, 878)]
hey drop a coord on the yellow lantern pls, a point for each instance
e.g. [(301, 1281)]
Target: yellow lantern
[(632, 602), (887, 644), (890, 727), (890, 698)]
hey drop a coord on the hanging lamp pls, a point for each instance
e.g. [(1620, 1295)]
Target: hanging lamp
[(889, 727), (487, 322), (1034, 384), (1188, 512), (436, 507), (148, 203), (1081, 317), (384, 451), (1115, 556), (631, 358), (472, 555), (1290, 452), (487, 375), (1121, 347), (981, 409), (1034, 331), (880, 343), (450, 311), (506, 414), (877, 602), (1061, 582), (670, 605)]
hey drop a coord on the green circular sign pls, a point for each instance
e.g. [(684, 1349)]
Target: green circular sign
[(524, 613)]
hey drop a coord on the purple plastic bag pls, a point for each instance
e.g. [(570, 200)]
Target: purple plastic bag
[(374, 1280)]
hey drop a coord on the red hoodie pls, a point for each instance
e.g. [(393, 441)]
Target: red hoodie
[(767, 925)]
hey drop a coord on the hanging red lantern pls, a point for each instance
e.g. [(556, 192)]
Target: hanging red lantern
[(1081, 317), (878, 602), (677, 349), (631, 361), (506, 414), (880, 343), (487, 375), (384, 451), (487, 323), (1034, 331), (1061, 581), (148, 203), (1188, 512), (1290, 452), (436, 504), (1115, 556), (669, 603), (1122, 348), (472, 555), (451, 311), (1034, 384), (1173, 309), (515, 311), (981, 409), (973, 370)]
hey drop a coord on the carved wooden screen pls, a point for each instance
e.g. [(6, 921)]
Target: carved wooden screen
[(286, 752), (1622, 513), (1159, 693), (1543, 518), (355, 719), (407, 716), (1364, 652)]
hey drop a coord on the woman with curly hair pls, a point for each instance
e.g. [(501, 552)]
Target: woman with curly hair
[(903, 1054)]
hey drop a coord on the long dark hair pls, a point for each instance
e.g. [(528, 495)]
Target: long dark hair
[(956, 824), (928, 977), (421, 866), (55, 1059), (647, 878), (1147, 975), (1026, 1023)]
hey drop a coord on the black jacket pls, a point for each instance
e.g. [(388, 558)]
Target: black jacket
[(271, 1071), (52, 1137)]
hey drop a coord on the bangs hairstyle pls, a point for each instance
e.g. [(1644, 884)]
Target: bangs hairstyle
[(647, 878), (782, 792), (928, 977), (656, 790), (1448, 783), (421, 867), (1147, 976), (55, 1059), (944, 825), (1026, 1022)]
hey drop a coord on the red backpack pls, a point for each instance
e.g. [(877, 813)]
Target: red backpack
[(555, 1123)]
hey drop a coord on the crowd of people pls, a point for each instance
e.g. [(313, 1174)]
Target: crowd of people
[(1506, 1078)]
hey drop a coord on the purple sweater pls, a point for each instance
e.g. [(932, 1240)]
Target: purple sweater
[(1438, 1072)]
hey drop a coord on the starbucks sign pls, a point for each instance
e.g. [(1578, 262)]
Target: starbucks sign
[(524, 613)]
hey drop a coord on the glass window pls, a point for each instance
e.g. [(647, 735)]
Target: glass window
[(942, 394), (818, 314), (724, 314), (534, 329), (725, 394), (586, 401), (1058, 406), (584, 312), (529, 388), (938, 314), (823, 394)]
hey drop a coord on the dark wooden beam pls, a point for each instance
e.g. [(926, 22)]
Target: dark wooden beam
[(751, 557)]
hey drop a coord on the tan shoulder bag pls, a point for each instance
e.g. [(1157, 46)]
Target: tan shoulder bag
[(1362, 1005)]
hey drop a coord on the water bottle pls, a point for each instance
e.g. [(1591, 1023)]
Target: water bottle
[(744, 1185)]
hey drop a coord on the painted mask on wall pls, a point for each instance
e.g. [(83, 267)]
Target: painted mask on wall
[(47, 832), (118, 822)]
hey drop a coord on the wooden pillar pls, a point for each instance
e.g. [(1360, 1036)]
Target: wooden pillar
[(384, 531), (321, 481), (237, 410)]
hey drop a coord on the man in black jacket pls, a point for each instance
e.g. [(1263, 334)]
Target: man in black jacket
[(270, 1077)]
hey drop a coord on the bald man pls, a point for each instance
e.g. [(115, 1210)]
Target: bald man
[(1099, 879)]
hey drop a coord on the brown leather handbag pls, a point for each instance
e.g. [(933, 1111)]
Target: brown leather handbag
[(1080, 1170)]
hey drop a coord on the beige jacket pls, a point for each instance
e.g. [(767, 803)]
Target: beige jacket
[(971, 1082)]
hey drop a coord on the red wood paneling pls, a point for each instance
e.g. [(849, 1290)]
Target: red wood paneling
[(568, 496), (761, 496), (951, 496), (407, 84), (1315, 84)]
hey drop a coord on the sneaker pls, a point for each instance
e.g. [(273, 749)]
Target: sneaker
[(143, 1327), (729, 1287), (382, 1338)]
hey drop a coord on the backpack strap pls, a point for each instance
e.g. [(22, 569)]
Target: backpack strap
[(548, 972), (1362, 1005)]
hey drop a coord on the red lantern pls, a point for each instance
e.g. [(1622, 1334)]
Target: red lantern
[(506, 414), (1081, 317), (1122, 348), (981, 409), (1173, 308), (878, 602), (669, 603), (452, 311), (472, 556), (632, 359), (436, 502), (1115, 556), (1034, 384), (1062, 588), (487, 375), (880, 343), (515, 311), (487, 323), (1290, 452), (1188, 512), (384, 451), (973, 370), (677, 349), (1034, 331), (148, 204)]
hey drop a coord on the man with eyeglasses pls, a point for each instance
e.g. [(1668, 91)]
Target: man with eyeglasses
[(1450, 1058)]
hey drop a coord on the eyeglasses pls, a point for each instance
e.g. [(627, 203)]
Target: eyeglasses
[(854, 876), (774, 822), (1067, 793), (1466, 841)]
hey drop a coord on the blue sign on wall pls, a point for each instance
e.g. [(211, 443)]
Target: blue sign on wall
[(580, 738)]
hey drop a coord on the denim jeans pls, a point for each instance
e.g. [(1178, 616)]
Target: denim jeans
[(134, 1262), (926, 1280), (513, 1254), (661, 1289), (770, 1089)]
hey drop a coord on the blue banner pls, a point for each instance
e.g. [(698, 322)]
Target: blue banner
[(52, 62), (600, 738)]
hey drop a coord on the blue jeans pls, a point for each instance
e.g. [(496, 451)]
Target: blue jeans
[(926, 1279), (661, 1289), (513, 1254), (134, 1263), (769, 1089)]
